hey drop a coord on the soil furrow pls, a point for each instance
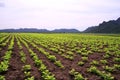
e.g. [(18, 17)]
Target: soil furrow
[(34, 72), (15, 67), (60, 74), (68, 64)]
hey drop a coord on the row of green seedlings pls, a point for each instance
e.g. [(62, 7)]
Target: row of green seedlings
[(94, 48), (63, 51), (22, 54), (93, 45), (115, 55), (2, 35), (47, 44), (46, 74), (26, 68), (99, 47), (97, 43), (103, 61), (115, 59), (85, 59), (3, 44), (85, 52), (18, 43), (93, 62), (58, 50), (107, 47), (76, 75), (2, 38), (112, 69), (86, 48), (102, 74), (51, 57), (6, 58), (27, 71), (112, 52), (80, 49), (69, 52)]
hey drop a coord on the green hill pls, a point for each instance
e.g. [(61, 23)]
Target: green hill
[(112, 26)]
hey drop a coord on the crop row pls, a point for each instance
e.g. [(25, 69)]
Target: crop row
[(67, 47), (46, 74), (6, 58), (97, 55)]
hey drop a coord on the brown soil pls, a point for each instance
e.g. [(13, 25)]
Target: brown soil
[(15, 67)]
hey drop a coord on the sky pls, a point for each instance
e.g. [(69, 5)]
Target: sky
[(56, 14)]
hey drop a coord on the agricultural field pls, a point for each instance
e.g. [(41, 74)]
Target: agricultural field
[(37, 56)]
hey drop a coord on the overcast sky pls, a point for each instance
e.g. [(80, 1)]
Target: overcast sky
[(55, 14)]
